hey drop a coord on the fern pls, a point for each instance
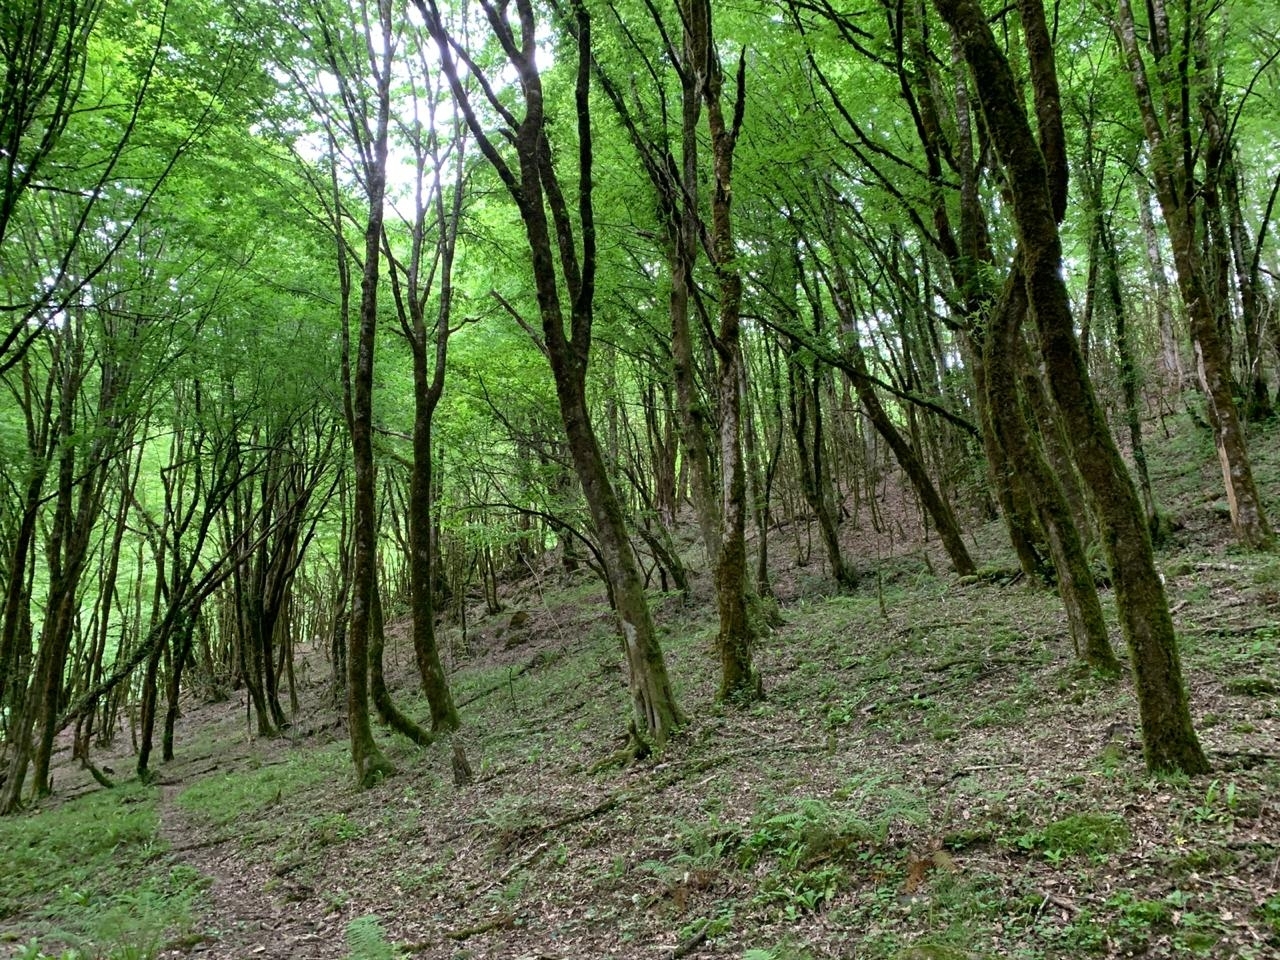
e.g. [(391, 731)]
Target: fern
[(368, 941)]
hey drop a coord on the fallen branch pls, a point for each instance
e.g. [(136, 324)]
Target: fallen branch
[(97, 774), (203, 844), (504, 921), (520, 865), (693, 943), (660, 784), (1065, 906)]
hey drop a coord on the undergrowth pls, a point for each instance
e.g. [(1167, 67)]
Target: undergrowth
[(87, 878), (240, 798), (932, 776)]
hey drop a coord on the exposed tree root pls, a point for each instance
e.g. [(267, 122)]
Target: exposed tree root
[(504, 921), (692, 944)]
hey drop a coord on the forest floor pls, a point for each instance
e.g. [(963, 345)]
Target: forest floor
[(931, 775)]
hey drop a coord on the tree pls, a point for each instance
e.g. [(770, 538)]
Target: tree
[(1167, 124), (433, 237), (1037, 183), (738, 681), (536, 188), (71, 171)]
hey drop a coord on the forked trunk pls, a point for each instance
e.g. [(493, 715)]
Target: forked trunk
[(1169, 740)]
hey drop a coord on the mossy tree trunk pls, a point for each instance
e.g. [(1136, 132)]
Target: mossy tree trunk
[(1038, 189), (1075, 580), (564, 275), (388, 712), (428, 347), (369, 762), (738, 681)]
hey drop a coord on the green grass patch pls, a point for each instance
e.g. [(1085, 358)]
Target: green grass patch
[(240, 797), (86, 879), (1081, 834)]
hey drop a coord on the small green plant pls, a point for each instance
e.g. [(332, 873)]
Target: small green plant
[(712, 927), (1252, 686), (801, 892), (1269, 911), (367, 940), (702, 844), (932, 951), (941, 725), (811, 831), (1219, 804), (1083, 935), (1093, 834), (31, 951), (332, 829), (1139, 919), (1182, 862), (1004, 713), (1267, 573), (785, 949), (512, 890), (841, 712), (86, 878)]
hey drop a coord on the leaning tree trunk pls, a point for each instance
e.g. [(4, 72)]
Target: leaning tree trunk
[(912, 464), (536, 187), (1169, 740), (652, 699), (388, 712), (1075, 580)]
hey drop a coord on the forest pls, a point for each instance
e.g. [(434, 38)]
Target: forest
[(777, 479)]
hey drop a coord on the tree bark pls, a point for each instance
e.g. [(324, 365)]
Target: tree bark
[(1175, 190), (1169, 740)]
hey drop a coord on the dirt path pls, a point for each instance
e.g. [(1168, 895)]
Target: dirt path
[(252, 907), (247, 911)]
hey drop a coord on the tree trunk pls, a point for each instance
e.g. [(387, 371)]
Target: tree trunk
[(805, 403), (1011, 494), (1169, 741), (388, 712), (1170, 348), (435, 684), (1128, 373), (738, 681), (535, 186), (1174, 185), (370, 765), (1075, 580)]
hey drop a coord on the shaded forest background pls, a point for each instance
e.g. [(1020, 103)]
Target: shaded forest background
[(322, 317)]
